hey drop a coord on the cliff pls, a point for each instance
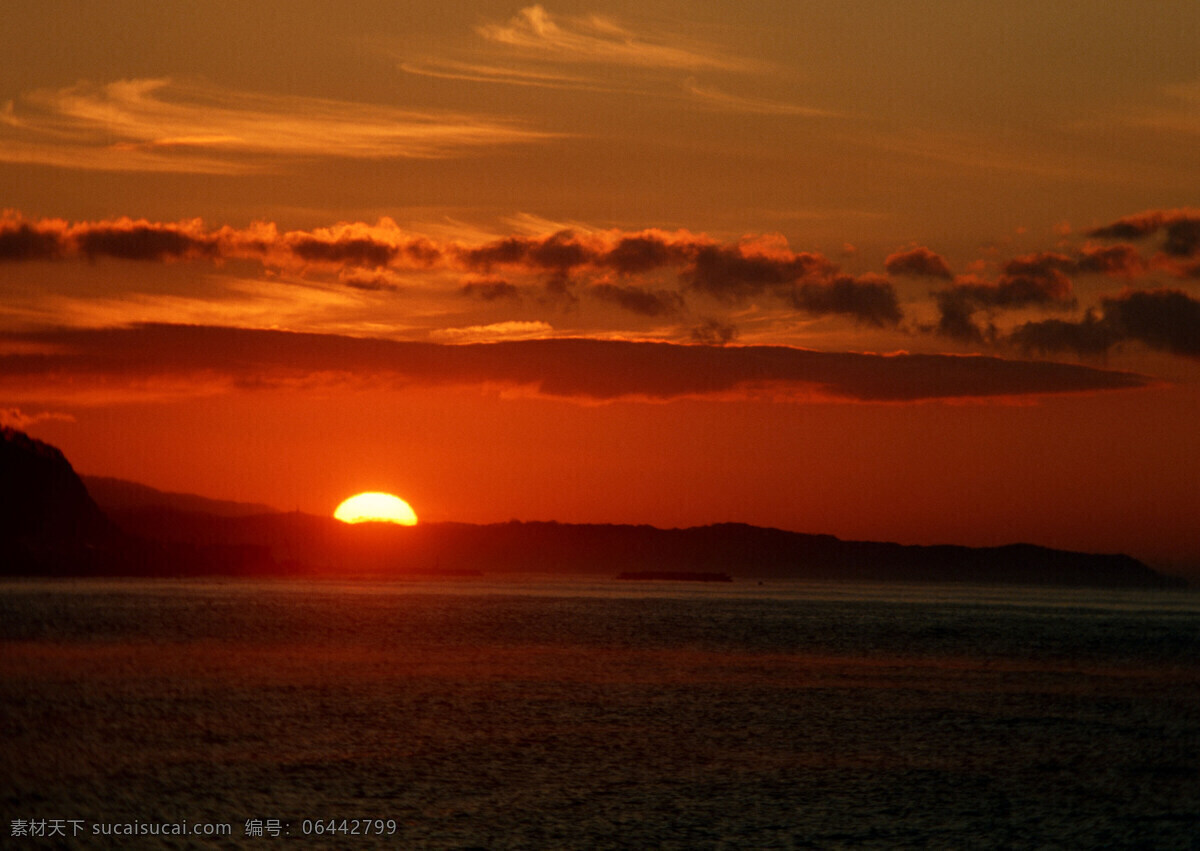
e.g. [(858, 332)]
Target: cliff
[(51, 526), (43, 503)]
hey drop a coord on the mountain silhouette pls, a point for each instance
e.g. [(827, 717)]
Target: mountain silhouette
[(51, 526), (324, 546), (49, 523)]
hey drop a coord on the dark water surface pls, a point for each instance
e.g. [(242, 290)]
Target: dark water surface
[(555, 714)]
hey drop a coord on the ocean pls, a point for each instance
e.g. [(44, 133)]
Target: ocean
[(552, 713)]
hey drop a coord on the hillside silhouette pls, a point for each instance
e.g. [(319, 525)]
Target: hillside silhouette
[(51, 526), (318, 545), (118, 494), (42, 500)]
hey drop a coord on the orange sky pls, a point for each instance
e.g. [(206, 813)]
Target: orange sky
[(922, 272)]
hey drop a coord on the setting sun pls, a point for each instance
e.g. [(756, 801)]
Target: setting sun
[(375, 507)]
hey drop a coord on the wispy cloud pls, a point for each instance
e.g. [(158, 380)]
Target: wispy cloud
[(165, 125), (1180, 115), (18, 419), (591, 39), (725, 102), (1016, 153), (597, 53), (1174, 111), (516, 330), (449, 69)]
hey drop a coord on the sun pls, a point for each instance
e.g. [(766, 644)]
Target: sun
[(376, 507)]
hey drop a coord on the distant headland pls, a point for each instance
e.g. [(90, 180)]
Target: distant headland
[(50, 525)]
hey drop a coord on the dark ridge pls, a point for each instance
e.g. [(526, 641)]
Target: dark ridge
[(325, 546), (120, 495), (50, 526)]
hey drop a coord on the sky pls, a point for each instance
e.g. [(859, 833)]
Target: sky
[(915, 271)]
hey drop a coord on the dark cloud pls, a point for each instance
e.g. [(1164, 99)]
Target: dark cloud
[(355, 251), (867, 298), (422, 252), (347, 245), (501, 252), (1039, 280), (1035, 279), (556, 255), (917, 261), (1111, 260), (1051, 268), (1183, 237), (490, 290), (375, 280), (956, 318), (20, 241), (559, 252), (124, 239), (1032, 281), (643, 253), (714, 333), (730, 273), (141, 241), (583, 369), (604, 264), (1162, 319), (1051, 288), (639, 300), (355, 245), (1045, 265), (1130, 227), (565, 250), (1167, 320), (1181, 227), (810, 282), (1090, 336)]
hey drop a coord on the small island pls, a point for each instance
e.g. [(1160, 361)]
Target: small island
[(675, 575)]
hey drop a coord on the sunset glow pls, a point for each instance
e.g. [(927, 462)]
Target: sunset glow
[(619, 263), (375, 507), (801, 399)]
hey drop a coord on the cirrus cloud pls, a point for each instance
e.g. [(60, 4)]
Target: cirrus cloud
[(168, 125), (594, 38)]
